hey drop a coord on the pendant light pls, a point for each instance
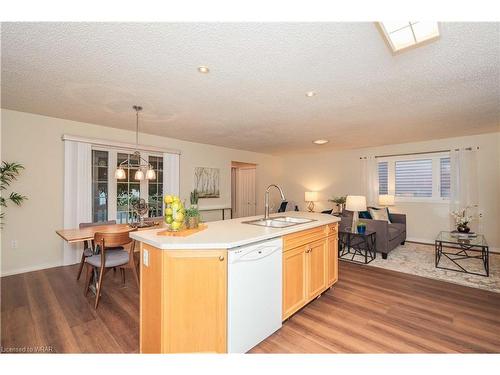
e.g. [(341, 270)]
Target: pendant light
[(144, 169)]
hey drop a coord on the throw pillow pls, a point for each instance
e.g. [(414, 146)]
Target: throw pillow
[(365, 215), (380, 214)]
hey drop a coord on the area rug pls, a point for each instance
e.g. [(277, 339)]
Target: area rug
[(418, 259)]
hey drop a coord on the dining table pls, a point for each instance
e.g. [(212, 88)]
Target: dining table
[(82, 235)]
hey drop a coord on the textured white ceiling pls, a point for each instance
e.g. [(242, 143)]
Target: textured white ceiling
[(254, 96)]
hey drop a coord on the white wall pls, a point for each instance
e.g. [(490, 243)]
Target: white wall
[(338, 173), (35, 142)]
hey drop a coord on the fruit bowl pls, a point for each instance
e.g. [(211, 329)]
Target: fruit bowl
[(174, 213)]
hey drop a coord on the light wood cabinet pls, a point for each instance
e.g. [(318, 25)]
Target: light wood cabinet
[(316, 268), (310, 266), (333, 254), (183, 308), (294, 280)]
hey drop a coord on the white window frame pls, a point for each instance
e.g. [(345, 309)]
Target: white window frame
[(436, 180), (112, 187)]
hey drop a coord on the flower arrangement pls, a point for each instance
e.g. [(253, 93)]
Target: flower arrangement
[(462, 219), (339, 202)]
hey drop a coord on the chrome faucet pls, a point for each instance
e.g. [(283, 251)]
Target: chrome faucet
[(266, 200)]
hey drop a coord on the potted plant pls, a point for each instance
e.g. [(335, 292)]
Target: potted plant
[(339, 202), (361, 227), (462, 220), (194, 196), (8, 173), (192, 217)]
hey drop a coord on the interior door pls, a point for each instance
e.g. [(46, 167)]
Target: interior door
[(245, 192)]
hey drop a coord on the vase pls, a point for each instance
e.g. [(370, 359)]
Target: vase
[(463, 228), (193, 222)]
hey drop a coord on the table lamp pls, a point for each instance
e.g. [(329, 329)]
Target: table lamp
[(355, 203), (386, 200), (311, 197)]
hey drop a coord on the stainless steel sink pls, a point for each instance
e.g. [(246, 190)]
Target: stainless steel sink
[(279, 221)]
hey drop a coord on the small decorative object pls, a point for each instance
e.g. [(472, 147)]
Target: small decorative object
[(361, 227), (192, 217), (174, 213), (194, 198), (207, 182), (8, 173), (140, 209), (311, 197), (462, 220), (296, 208), (339, 202)]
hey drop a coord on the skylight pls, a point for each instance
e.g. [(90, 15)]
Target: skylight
[(401, 35)]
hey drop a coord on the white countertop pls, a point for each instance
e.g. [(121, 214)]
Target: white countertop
[(227, 234)]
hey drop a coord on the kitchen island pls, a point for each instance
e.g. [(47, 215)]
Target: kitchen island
[(184, 280)]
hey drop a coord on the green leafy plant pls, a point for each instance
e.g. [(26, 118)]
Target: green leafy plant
[(361, 224), (194, 197), (338, 200), (9, 173), (192, 212)]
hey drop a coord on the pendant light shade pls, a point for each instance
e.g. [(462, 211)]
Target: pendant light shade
[(120, 174), (139, 175), (150, 174)]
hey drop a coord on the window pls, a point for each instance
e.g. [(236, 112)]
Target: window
[(155, 189), (404, 34), (445, 176), (99, 185), (128, 191), (383, 178), (409, 178), (115, 199), (414, 178)]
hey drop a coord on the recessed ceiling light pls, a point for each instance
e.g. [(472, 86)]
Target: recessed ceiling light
[(320, 141), (310, 94), (203, 69)]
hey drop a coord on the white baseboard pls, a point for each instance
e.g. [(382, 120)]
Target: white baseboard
[(37, 267)]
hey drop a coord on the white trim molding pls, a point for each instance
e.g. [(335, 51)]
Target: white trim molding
[(119, 145)]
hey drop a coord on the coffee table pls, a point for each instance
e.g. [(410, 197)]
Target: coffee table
[(360, 245), (462, 249)]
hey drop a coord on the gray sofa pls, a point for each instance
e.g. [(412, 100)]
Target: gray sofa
[(388, 235)]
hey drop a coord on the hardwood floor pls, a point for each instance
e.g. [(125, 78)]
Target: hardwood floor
[(370, 310)]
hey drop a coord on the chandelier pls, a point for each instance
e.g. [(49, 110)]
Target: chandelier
[(144, 169)]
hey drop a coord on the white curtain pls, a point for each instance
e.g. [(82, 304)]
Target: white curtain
[(77, 192), (369, 180), (171, 174), (464, 183)]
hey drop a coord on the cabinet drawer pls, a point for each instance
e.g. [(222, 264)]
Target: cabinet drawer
[(331, 229), (293, 240)]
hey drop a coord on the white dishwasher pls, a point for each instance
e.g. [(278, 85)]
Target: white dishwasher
[(254, 293)]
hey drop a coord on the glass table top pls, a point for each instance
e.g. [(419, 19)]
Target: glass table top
[(454, 238), (367, 233)]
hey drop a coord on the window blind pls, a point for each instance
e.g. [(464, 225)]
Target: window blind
[(413, 178), (445, 177)]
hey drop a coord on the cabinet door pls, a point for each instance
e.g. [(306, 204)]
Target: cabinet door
[(333, 263), (195, 284), (316, 267), (294, 280)]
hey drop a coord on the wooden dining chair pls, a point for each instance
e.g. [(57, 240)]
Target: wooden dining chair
[(110, 257), (88, 245)]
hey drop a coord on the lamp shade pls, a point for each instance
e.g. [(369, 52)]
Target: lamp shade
[(139, 175), (355, 203), (120, 174), (150, 174), (386, 200), (311, 196)]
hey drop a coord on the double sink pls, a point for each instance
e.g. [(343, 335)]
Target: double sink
[(279, 221)]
